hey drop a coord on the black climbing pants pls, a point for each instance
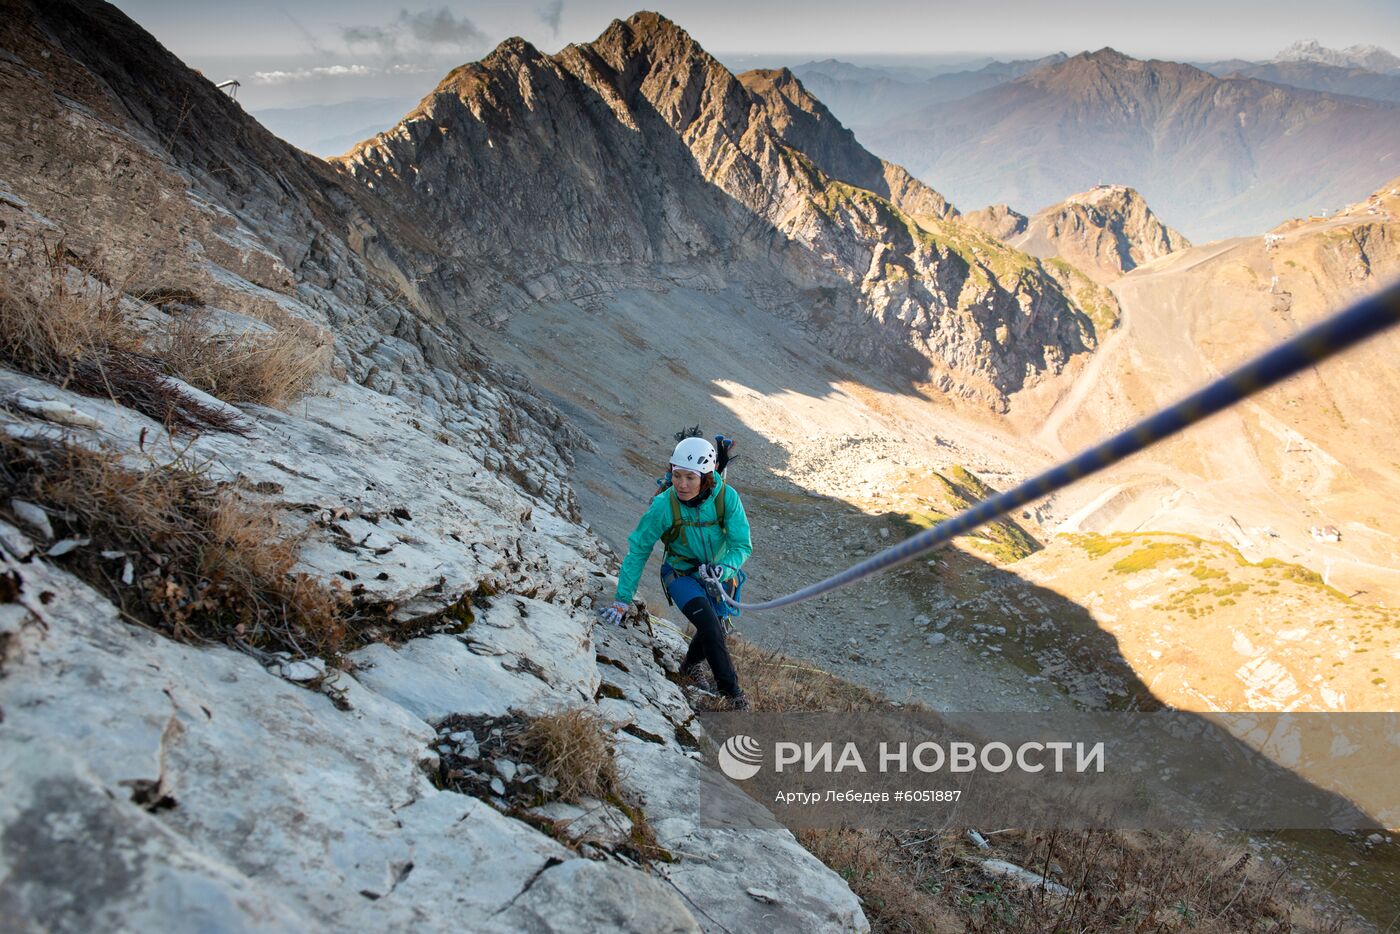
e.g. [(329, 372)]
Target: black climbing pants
[(708, 644)]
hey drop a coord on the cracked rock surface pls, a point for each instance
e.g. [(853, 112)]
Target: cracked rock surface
[(150, 783)]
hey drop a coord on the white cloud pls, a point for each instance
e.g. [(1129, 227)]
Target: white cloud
[(322, 71)]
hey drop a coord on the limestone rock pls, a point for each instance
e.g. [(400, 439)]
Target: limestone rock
[(581, 895), (202, 786)]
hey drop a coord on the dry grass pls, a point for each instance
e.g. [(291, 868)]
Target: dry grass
[(72, 330), (205, 564), (271, 368), (573, 748), (874, 868), (776, 683), (929, 880)]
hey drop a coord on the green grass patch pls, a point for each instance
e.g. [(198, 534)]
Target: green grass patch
[(1095, 300), (1302, 576), (1147, 558), (1002, 539), (1096, 545)]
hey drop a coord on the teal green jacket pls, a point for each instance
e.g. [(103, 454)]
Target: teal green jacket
[(704, 540)]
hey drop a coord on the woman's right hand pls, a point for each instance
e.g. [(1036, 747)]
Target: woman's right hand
[(613, 613)]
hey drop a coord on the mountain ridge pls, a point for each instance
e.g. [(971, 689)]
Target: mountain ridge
[(1332, 79), (1370, 57), (677, 170), (865, 97)]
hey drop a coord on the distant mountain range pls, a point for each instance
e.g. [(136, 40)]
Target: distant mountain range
[(1370, 57), (862, 95), (1316, 76), (1214, 156), (1027, 132)]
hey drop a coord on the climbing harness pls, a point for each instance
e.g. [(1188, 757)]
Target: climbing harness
[(1340, 332), (725, 601), (711, 577)]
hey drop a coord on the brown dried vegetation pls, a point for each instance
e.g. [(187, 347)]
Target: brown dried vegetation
[(778, 683), (62, 325), (270, 368), (573, 748), (59, 326), (205, 563)]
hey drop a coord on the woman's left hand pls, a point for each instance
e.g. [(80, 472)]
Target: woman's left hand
[(613, 614)]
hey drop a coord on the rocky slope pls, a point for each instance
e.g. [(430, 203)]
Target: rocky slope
[(1171, 131), (805, 123), (1285, 613), (148, 778), (1000, 220), (208, 776), (638, 161), (1104, 232)]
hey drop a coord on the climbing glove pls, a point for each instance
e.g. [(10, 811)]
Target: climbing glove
[(710, 572), (613, 613)]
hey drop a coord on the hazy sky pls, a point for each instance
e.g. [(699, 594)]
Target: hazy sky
[(300, 51)]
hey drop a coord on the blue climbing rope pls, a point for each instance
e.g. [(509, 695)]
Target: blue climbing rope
[(1338, 333)]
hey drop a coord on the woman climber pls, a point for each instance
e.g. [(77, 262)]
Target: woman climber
[(700, 520)]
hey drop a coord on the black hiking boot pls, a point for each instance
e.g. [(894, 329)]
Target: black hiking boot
[(699, 677), (736, 701)]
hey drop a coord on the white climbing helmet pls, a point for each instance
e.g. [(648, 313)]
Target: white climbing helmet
[(695, 454)]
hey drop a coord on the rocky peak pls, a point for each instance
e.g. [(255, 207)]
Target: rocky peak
[(805, 123), (786, 83), (1105, 232), (1106, 56), (654, 59), (648, 36), (1082, 71), (1106, 63), (512, 52), (638, 161), (1371, 57), (999, 220)]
